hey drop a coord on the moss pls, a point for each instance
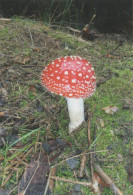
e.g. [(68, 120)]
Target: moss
[(114, 137)]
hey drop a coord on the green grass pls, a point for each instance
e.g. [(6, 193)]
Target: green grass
[(113, 92)]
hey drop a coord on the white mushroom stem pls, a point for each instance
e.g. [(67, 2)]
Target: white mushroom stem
[(76, 112)]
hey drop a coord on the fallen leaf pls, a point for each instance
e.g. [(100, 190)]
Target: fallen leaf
[(36, 49), (100, 181), (26, 59), (34, 179), (4, 93), (128, 103), (2, 114), (120, 158), (19, 59), (110, 109), (32, 88), (101, 122)]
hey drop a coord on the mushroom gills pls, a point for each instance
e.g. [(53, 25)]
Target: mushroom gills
[(76, 112)]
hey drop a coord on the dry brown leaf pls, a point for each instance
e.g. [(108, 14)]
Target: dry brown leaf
[(110, 109), (2, 114), (36, 49), (19, 59), (32, 88), (101, 123), (100, 181), (26, 59)]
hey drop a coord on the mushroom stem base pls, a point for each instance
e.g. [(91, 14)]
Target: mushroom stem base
[(76, 112)]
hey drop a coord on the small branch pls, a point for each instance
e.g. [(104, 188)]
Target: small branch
[(82, 166), (47, 185), (51, 182), (32, 44), (89, 129), (78, 155), (94, 180), (5, 20), (107, 179), (71, 181), (36, 144)]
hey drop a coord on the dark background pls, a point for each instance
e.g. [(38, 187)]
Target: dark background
[(112, 16)]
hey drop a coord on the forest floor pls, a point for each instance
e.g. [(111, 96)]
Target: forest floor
[(34, 141)]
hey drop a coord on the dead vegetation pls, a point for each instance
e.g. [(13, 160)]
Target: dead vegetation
[(35, 148)]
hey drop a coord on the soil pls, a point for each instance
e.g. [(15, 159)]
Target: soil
[(25, 49)]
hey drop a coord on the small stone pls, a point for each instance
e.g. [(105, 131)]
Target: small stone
[(40, 109), (46, 147), (72, 163), (77, 188)]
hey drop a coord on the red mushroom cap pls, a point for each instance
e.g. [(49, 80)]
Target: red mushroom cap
[(70, 76)]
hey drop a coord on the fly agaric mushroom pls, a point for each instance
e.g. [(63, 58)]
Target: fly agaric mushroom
[(72, 77)]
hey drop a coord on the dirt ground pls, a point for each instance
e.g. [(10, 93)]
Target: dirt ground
[(32, 117)]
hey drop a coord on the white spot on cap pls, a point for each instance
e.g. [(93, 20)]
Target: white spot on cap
[(84, 68), (80, 58), (92, 68), (93, 77), (58, 78), (73, 80), (80, 74), (87, 76), (65, 65), (53, 62), (42, 74), (56, 71), (66, 72), (87, 64), (71, 57), (89, 70), (57, 65), (72, 72), (70, 94)]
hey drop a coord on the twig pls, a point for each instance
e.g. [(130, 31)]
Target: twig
[(73, 29), (87, 26), (82, 166), (71, 181), (89, 130), (47, 185), (32, 44), (76, 156), (107, 179), (5, 19), (36, 144), (94, 180), (51, 182), (89, 144)]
